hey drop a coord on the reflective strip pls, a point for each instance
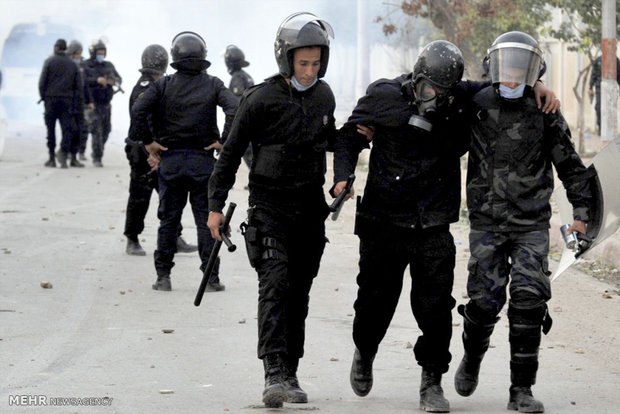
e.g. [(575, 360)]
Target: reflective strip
[(515, 45)]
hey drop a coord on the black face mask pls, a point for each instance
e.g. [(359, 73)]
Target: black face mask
[(429, 101)]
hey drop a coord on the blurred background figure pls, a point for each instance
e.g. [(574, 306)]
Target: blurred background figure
[(84, 101), (595, 87), (59, 84), (101, 77), (240, 81)]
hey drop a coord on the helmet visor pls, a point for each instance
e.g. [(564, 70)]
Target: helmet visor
[(515, 62), (295, 22)]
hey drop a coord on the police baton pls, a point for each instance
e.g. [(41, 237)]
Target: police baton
[(215, 251), (339, 201)]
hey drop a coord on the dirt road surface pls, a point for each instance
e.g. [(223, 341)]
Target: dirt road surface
[(95, 341)]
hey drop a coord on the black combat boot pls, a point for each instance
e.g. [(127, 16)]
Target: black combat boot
[(294, 393), (97, 163), (133, 247), (163, 283), (62, 158), (214, 284), (522, 400), (431, 393), (525, 327), (74, 162), (51, 162), (476, 339), (274, 393), (184, 247), (361, 374)]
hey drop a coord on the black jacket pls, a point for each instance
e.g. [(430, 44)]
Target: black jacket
[(240, 81), (289, 132), (59, 78), (509, 176), (134, 148), (414, 176), (183, 110), (101, 95)]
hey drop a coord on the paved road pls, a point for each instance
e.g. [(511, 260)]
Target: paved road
[(98, 332)]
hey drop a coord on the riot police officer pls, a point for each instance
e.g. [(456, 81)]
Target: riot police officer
[(83, 102), (421, 124), (289, 121), (59, 87), (240, 81), (509, 184), (181, 110), (101, 77), (143, 180), (412, 195)]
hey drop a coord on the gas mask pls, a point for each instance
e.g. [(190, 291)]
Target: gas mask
[(429, 100)]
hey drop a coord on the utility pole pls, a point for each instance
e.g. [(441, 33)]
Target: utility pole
[(609, 84), (362, 78)]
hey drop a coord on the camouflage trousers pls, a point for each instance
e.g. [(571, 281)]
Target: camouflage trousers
[(518, 259)]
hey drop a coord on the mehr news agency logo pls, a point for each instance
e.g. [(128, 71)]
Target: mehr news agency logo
[(44, 400)]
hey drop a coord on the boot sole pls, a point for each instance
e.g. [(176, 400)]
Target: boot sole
[(433, 410), (296, 398), (136, 253), (515, 407), (274, 399)]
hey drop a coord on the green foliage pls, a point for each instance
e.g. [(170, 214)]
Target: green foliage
[(473, 25), (582, 25)]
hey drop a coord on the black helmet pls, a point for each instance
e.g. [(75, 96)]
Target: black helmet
[(234, 58), (189, 47), (516, 57), (301, 29), (154, 60), (74, 47), (97, 45), (441, 63)]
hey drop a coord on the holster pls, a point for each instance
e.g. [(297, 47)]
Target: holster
[(252, 241)]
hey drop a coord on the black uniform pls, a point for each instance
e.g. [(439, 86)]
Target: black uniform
[(596, 76), (181, 110), (142, 179), (412, 194), (102, 96), (289, 132), (59, 87), (240, 81)]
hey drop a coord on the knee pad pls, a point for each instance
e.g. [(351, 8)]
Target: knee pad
[(475, 314)]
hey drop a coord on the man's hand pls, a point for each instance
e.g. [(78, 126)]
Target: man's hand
[(154, 148), (102, 81), (369, 132), (217, 145), (339, 188), (552, 103), (578, 226), (214, 222), (590, 93), (153, 162)]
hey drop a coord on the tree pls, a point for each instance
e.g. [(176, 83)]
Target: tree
[(472, 25), (581, 29)]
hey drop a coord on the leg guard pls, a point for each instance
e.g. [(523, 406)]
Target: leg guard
[(477, 330), (525, 336)]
